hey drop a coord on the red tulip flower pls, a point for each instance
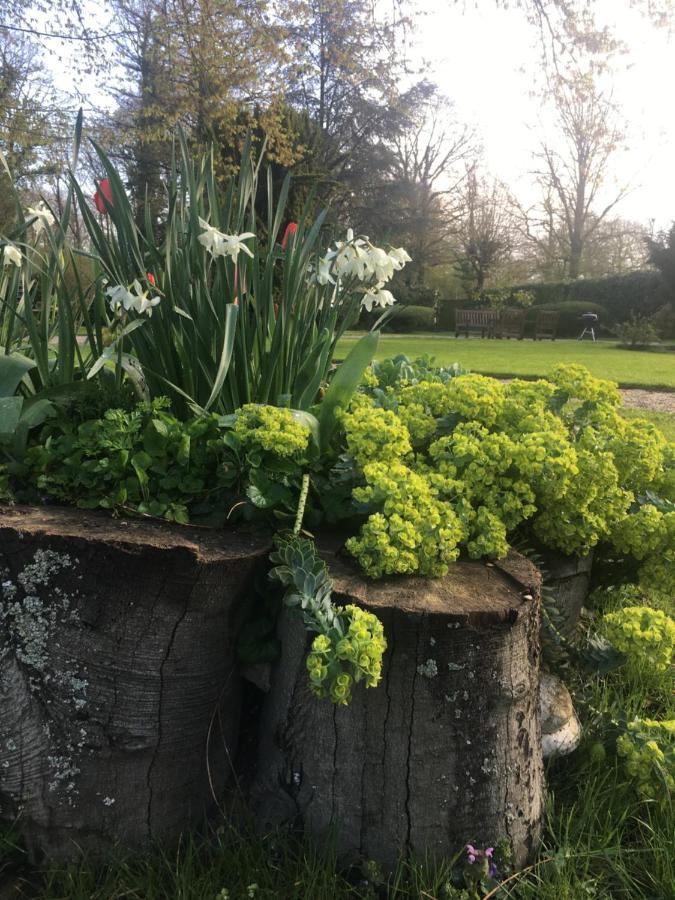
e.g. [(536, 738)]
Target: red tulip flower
[(104, 191), (151, 278), (291, 228)]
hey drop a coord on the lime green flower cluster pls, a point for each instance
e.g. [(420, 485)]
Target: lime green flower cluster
[(643, 634), (374, 434), (271, 429), (525, 408), (346, 655), (637, 449), (413, 532), (648, 748), (649, 535), (576, 382), (585, 512), (664, 483), (488, 457), (488, 469), (419, 406), (475, 398), (349, 643)]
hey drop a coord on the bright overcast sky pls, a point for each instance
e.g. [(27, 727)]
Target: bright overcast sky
[(488, 61)]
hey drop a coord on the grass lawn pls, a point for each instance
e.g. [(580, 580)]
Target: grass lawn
[(630, 368)]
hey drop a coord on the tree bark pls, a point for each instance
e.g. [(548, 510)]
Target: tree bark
[(568, 579), (119, 687), (445, 750)]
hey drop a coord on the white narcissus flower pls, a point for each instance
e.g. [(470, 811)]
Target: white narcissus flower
[(381, 264), (323, 276), (399, 258), (234, 243), (11, 254), (135, 298), (211, 238), (43, 216), (119, 296), (353, 259), (220, 244), (375, 296)]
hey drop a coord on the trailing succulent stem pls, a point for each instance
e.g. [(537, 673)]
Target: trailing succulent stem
[(350, 642), (561, 645)]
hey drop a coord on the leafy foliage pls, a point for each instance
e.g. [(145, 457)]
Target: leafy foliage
[(350, 642), (645, 635), (648, 749), (637, 331)]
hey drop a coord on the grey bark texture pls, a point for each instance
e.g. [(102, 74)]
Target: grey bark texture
[(568, 579), (447, 749), (119, 690)]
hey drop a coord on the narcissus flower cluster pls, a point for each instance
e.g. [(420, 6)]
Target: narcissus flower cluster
[(357, 259), (219, 244), (133, 297)]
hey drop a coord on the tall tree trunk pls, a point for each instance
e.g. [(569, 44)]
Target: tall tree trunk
[(119, 686), (576, 251), (445, 750)]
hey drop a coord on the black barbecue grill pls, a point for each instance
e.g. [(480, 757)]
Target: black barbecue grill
[(590, 320)]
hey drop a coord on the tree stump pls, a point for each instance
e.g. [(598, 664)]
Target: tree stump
[(119, 688), (447, 749), (568, 579)]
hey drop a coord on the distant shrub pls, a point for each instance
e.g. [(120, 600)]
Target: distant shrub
[(414, 294), (638, 331), (411, 318), (403, 319), (664, 321)]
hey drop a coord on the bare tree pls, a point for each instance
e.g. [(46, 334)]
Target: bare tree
[(34, 125), (573, 166), (617, 247), (428, 164), (487, 228)]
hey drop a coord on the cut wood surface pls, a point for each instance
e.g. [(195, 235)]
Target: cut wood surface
[(446, 750), (118, 684)]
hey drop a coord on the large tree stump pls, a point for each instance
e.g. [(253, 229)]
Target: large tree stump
[(119, 690), (445, 750), (568, 579)]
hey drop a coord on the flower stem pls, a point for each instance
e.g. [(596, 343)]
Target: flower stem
[(304, 490)]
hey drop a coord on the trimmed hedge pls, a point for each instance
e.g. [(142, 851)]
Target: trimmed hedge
[(403, 320), (411, 318), (620, 295)]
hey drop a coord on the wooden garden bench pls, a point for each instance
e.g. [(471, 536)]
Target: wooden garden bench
[(511, 324), (483, 320), (546, 325)]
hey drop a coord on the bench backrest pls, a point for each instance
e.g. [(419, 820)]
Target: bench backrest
[(477, 317)]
